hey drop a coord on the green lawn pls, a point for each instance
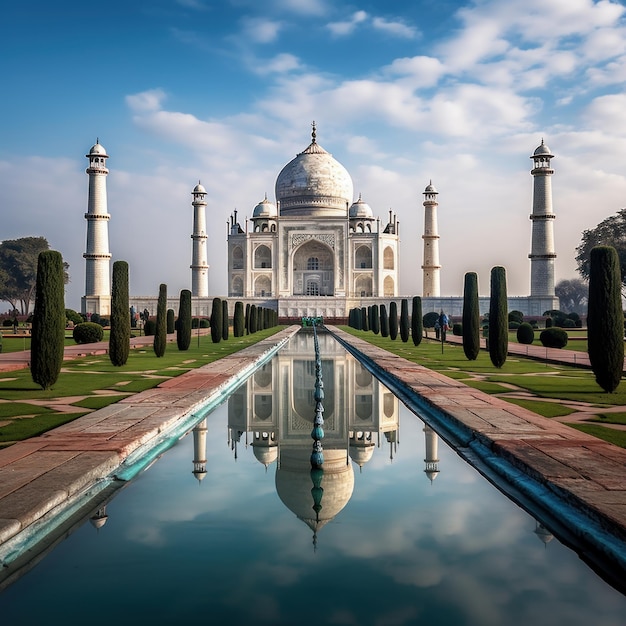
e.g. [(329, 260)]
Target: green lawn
[(81, 378)]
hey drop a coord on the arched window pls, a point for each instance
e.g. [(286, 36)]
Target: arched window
[(237, 258), (313, 263), (262, 286), (388, 259), (237, 287), (389, 287), (262, 257), (363, 258)]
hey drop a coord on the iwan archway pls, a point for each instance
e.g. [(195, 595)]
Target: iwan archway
[(313, 270)]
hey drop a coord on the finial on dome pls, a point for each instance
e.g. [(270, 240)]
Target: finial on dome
[(313, 134), (359, 197)]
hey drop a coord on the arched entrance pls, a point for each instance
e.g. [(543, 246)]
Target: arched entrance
[(313, 270)]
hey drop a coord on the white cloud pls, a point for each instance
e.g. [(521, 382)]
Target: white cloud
[(261, 30), (417, 72), (347, 27), (280, 64), (146, 101), (396, 28)]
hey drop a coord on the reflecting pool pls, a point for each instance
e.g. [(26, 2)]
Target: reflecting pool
[(230, 527)]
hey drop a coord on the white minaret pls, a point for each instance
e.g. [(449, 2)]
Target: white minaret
[(199, 265), (97, 298), (431, 265), (542, 253)]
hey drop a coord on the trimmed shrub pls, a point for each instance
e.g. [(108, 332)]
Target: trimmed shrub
[(404, 320), (238, 320), (393, 320), (149, 328), (87, 332), (514, 325), (457, 329), (375, 319), (183, 327), (605, 318), (70, 316), (160, 334), (252, 319), (498, 318), (216, 320), (247, 318), (525, 333), (470, 327), (225, 328), (553, 338), (567, 323), (119, 338), (549, 322), (417, 328), (48, 332), (384, 321), (516, 316), (169, 323), (430, 319), (364, 321)]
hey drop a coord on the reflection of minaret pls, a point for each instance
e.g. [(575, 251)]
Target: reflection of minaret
[(199, 450), (97, 298), (543, 533), (392, 437), (199, 265), (431, 461), (542, 253), (431, 267)]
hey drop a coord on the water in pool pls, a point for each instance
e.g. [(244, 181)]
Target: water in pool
[(224, 527)]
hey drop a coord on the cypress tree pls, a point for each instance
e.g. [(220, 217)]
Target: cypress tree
[(238, 320), (393, 320), (384, 321), (160, 334), (498, 317), (169, 323), (216, 320), (183, 329), (417, 322), (252, 320), (224, 320), (48, 331), (375, 320), (471, 317), (247, 318), (357, 319), (119, 337), (404, 320), (605, 318)]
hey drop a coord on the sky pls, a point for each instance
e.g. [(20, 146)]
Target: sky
[(402, 93)]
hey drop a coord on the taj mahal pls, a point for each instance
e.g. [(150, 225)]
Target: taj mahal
[(316, 250)]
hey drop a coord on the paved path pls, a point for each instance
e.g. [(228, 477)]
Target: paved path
[(566, 475)]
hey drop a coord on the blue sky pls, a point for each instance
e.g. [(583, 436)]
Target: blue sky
[(225, 92)]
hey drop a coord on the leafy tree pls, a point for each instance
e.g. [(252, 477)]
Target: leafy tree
[(609, 232), (238, 320), (18, 270), (119, 338), (417, 328), (498, 318), (605, 319), (404, 320), (572, 295), (48, 331), (393, 320), (183, 328), (471, 317), (216, 320), (160, 334)]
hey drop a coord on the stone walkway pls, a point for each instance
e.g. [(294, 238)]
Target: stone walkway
[(563, 473)]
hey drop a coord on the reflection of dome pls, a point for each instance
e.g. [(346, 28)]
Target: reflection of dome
[(361, 454), (99, 519), (293, 485), (314, 183), (543, 533), (265, 454), (361, 209), (266, 209)]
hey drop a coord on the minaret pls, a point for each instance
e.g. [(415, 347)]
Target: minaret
[(542, 253), (199, 265), (431, 265), (97, 298)]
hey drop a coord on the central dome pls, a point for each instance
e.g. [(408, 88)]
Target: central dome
[(314, 184)]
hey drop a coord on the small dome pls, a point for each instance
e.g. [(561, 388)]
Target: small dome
[(199, 188), (266, 209), (430, 188), (265, 455), (361, 209), (542, 150), (97, 148)]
